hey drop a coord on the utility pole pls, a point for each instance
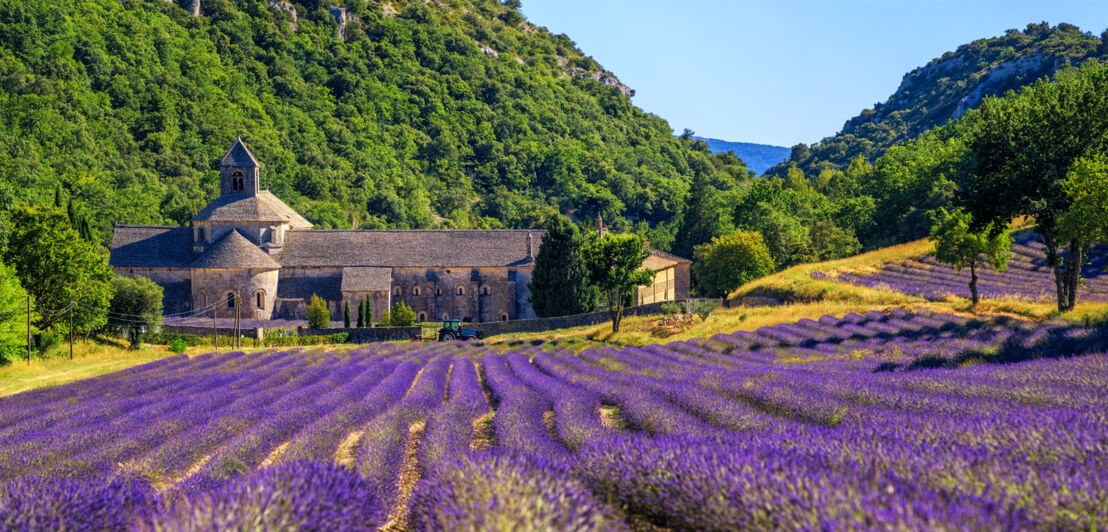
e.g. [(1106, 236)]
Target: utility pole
[(28, 329), (71, 330), (238, 307)]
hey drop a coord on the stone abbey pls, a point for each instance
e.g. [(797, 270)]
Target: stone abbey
[(250, 243)]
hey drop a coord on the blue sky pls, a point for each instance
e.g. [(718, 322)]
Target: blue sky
[(786, 71)]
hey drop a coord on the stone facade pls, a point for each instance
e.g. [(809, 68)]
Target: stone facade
[(248, 243)]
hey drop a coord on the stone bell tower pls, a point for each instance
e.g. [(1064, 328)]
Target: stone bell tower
[(239, 171)]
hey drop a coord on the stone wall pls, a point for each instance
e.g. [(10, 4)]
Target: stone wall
[(561, 322), (367, 334), (487, 294), (197, 330)]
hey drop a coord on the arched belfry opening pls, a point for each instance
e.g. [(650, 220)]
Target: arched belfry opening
[(239, 171)]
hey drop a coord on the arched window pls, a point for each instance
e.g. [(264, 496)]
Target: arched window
[(503, 316), (438, 290), (230, 300), (415, 290), (237, 181), (445, 316), (397, 291), (200, 236), (422, 317), (485, 290), (203, 297), (260, 297), (461, 290)]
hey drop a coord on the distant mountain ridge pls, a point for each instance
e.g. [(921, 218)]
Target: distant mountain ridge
[(948, 86), (758, 157)]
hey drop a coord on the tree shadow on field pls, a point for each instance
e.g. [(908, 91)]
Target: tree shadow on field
[(1023, 345)]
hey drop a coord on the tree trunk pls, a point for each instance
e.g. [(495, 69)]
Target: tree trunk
[(615, 310), (1059, 276), (1073, 273), (973, 284)]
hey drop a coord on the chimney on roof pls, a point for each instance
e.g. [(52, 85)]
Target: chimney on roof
[(600, 225), (530, 249)]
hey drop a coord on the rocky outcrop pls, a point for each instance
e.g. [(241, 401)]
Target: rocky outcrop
[(341, 18), (194, 8), (606, 78), (286, 7), (487, 50), (1000, 77)]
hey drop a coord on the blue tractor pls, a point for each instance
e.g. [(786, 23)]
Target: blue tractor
[(452, 330)]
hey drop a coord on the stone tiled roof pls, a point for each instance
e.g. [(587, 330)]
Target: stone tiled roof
[(263, 207), (660, 260), (239, 155), (235, 251), (360, 279), (146, 246), (409, 249)]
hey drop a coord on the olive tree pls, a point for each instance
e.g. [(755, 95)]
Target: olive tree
[(958, 244)]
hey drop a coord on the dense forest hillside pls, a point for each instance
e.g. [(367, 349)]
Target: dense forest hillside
[(758, 157), (396, 113), (947, 87)]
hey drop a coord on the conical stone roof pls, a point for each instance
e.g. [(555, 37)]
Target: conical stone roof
[(234, 251), (239, 155)]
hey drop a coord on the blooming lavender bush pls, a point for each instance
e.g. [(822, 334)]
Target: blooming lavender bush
[(1028, 277), (879, 421)]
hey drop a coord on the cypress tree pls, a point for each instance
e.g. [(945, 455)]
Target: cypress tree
[(361, 314), (346, 315), (368, 312), (700, 222), (560, 283)]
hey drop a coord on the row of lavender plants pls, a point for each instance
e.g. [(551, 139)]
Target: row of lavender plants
[(880, 421), (1028, 277)]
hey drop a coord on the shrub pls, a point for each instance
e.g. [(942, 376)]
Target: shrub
[(178, 345), (671, 308), (401, 315), (319, 317), (49, 338), (703, 308), (167, 338), (731, 261)]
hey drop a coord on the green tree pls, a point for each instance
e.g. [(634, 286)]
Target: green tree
[(730, 261), (829, 241), (346, 314), (700, 219), (958, 244), (1026, 146), (401, 315), (319, 316), (560, 283), (13, 304), (58, 269), (615, 267), (368, 311), (136, 308), (1085, 223), (361, 314)]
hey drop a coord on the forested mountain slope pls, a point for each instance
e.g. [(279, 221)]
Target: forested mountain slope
[(947, 87), (399, 114), (758, 157)]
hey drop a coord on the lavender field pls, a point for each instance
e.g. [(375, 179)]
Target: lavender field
[(1028, 277), (881, 421)]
